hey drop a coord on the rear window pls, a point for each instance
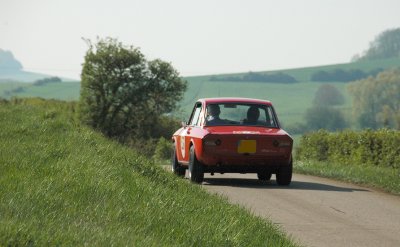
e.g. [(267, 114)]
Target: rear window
[(241, 114)]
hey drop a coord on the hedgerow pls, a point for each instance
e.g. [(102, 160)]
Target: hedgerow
[(368, 147)]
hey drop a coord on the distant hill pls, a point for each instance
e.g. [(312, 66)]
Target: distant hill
[(11, 70), (8, 63), (305, 74)]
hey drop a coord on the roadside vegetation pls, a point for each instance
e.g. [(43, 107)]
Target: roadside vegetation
[(372, 156), (65, 184), (365, 157)]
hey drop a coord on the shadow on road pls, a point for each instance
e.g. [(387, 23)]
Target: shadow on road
[(257, 184)]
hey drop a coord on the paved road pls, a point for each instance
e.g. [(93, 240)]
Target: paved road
[(317, 211)]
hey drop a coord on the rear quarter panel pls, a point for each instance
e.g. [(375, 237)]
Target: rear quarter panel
[(185, 138)]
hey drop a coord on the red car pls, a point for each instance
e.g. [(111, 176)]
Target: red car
[(233, 135)]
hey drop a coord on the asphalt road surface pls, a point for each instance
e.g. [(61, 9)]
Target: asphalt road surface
[(317, 211)]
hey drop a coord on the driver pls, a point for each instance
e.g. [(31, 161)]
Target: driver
[(213, 112)]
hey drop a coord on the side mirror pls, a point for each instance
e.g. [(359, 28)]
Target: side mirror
[(184, 124)]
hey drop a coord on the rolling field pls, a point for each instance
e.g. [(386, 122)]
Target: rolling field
[(63, 91), (290, 100), (6, 87)]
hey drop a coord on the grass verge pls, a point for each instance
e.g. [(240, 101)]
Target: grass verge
[(384, 178), (63, 184)]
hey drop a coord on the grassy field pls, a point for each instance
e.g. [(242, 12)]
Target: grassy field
[(62, 91), (9, 86), (63, 184)]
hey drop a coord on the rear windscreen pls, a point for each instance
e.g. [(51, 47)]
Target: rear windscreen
[(241, 114)]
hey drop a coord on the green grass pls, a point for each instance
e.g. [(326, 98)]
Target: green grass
[(63, 184), (383, 178)]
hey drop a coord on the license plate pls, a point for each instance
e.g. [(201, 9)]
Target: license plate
[(247, 146)]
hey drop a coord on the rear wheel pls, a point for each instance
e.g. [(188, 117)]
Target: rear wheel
[(175, 166), (264, 176), (284, 174), (196, 170)]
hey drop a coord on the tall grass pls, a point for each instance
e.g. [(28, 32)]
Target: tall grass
[(64, 184)]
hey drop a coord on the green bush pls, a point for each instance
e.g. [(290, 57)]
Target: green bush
[(314, 146), (123, 94), (163, 149), (379, 148)]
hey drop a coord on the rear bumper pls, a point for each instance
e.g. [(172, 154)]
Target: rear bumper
[(244, 163), (240, 169)]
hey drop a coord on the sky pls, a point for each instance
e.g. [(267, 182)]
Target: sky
[(196, 37)]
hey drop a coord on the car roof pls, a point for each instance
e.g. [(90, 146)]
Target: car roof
[(234, 100)]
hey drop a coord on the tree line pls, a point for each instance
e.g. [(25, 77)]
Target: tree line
[(385, 45), (257, 77), (53, 79), (340, 75), (376, 100)]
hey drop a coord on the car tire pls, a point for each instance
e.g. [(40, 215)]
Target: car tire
[(175, 166), (264, 176), (284, 174), (196, 170)]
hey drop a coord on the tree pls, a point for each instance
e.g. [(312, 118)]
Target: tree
[(257, 77), (122, 93), (343, 75), (320, 117), (328, 95), (376, 100), (53, 79), (385, 45)]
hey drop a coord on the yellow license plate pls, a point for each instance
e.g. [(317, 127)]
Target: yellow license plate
[(247, 146)]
